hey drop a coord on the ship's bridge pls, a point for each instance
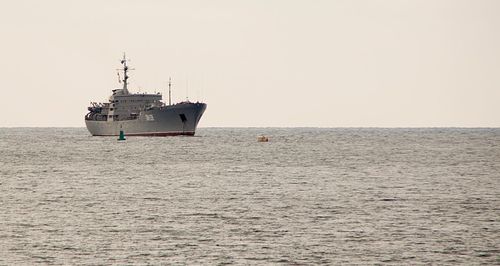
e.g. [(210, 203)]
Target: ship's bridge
[(124, 105), (135, 97), (127, 106)]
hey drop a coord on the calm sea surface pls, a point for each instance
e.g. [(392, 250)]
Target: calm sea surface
[(309, 196)]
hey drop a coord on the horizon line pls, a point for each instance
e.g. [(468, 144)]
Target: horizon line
[(318, 127)]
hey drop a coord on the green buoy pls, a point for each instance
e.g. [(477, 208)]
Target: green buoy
[(122, 135)]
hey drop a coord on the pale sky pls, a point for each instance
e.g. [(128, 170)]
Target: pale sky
[(361, 63)]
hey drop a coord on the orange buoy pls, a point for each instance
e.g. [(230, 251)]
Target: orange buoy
[(262, 139)]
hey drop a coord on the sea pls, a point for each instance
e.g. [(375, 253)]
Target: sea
[(309, 196)]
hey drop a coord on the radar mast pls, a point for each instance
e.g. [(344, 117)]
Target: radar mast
[(125, 69)]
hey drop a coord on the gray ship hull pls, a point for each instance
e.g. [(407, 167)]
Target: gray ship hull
[(179, 119)]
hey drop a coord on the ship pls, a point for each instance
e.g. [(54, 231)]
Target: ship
[(142, 114)]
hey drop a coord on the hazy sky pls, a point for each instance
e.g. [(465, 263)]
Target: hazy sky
[(393, 63)]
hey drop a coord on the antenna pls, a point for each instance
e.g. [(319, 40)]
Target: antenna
[(187, 90), (125, 69), (201, 96), (125, 76), (169, 91)]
